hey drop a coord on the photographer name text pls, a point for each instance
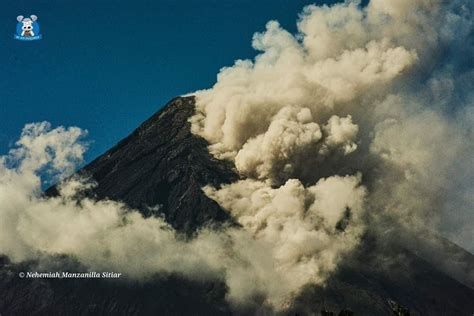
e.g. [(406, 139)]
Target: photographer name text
[(70, 275)]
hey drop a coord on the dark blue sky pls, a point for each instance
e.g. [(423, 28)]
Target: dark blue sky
[(107, 65)]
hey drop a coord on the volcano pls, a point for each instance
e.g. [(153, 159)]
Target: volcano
[(160, 170)]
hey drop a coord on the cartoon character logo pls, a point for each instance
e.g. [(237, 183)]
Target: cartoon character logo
[(27, 29)]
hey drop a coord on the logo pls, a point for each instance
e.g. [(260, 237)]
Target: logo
[(27, 29)]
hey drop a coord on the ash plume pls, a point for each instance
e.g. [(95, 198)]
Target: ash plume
[(382, 93)]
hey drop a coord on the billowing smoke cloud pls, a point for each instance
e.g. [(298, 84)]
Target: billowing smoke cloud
[(382, 93), (306, 229), (291, 136), (362, 118), (384, 90)]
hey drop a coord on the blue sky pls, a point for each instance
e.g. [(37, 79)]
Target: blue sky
[(107, 65)]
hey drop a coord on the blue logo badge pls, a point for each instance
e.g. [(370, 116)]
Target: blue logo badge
[(27, 29)]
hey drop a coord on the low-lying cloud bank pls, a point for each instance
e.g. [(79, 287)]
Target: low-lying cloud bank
[(285, 243), (362, 118)]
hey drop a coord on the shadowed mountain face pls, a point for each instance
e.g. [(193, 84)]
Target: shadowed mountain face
[(377, 276), (169, 295), (159, 169), (162, 166)]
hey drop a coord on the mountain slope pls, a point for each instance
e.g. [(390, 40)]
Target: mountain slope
[(160, 169), (375, 276)]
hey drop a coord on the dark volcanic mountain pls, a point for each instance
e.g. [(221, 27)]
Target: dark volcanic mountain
[(162, 165), (160, 169)]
